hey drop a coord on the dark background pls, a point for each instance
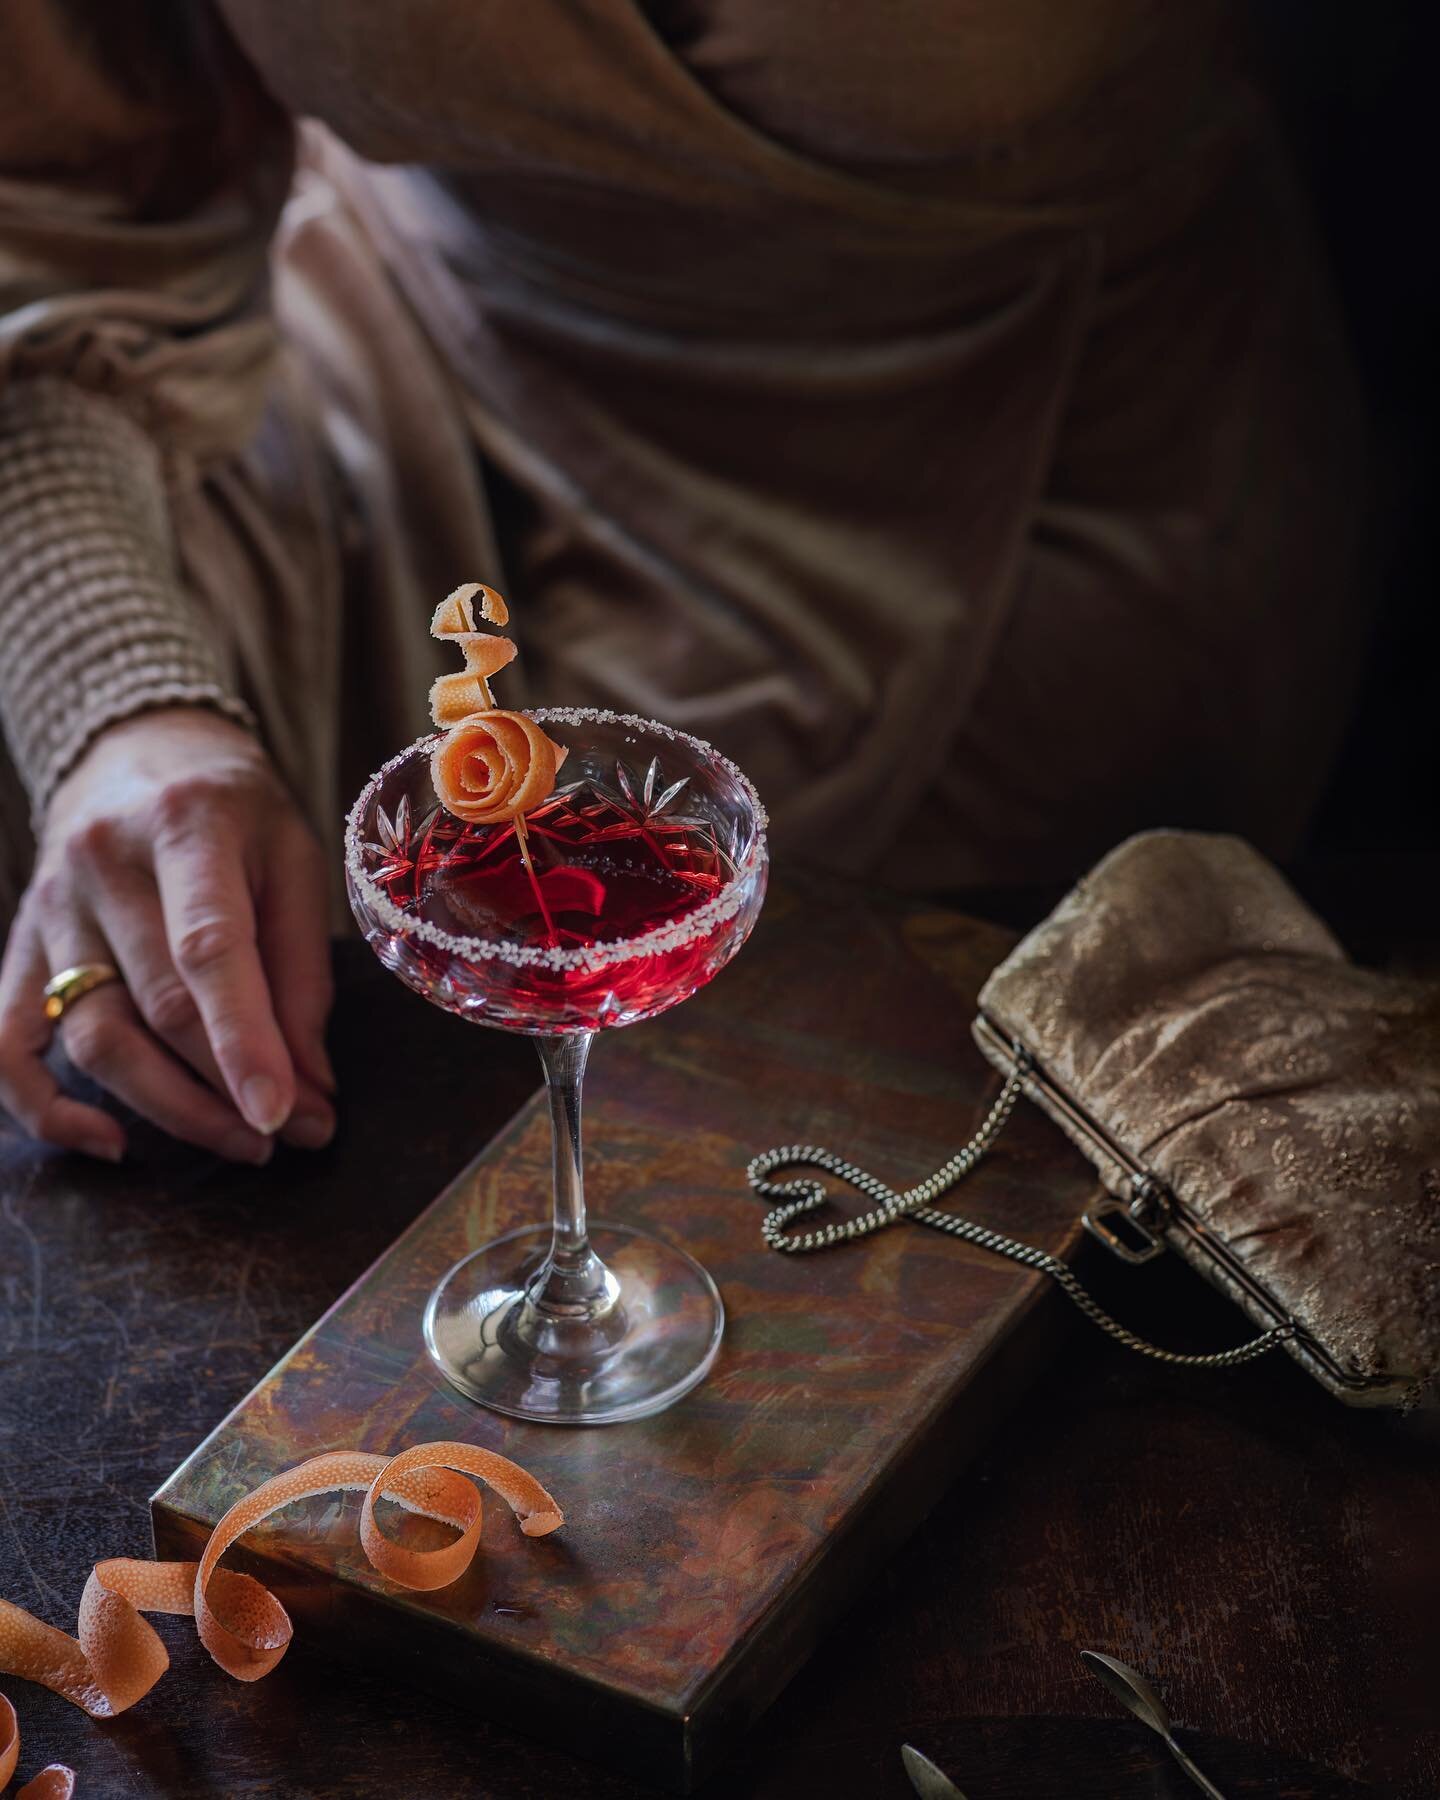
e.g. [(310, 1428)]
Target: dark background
[(1359, 87)]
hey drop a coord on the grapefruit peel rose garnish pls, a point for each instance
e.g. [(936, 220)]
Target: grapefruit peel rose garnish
[(491, 766)]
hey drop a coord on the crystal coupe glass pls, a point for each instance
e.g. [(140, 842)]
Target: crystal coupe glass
[(629, 888)]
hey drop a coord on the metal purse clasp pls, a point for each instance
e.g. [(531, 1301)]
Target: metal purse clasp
[(1140, 1241)]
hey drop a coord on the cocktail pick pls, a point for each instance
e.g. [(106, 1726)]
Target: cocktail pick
[(1134, 1692)]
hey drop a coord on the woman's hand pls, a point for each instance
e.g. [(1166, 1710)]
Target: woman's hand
[(172, 851)]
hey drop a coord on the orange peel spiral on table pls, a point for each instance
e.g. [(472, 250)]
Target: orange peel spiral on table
[(491, 765), (115, 1658)]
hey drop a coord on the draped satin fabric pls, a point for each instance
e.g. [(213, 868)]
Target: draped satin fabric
[(936, 405)]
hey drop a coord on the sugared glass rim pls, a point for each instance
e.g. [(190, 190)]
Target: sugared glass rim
[(671, 935)]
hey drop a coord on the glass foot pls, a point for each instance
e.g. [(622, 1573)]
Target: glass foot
[(652, 1340)]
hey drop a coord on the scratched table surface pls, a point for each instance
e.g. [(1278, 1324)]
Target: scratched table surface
[(1270, 1558)]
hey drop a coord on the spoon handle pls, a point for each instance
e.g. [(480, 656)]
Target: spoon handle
[(1201, 1780)]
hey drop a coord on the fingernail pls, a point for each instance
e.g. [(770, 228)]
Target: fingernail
[(310, 1131), (101, 1144), (261, 1103), (243, 1146)]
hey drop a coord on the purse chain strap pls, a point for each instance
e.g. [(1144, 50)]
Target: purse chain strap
[(804, 1194)]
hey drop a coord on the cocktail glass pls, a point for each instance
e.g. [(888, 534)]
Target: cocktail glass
[(631, 887)]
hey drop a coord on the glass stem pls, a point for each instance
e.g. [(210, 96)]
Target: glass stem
[(574, 1302)]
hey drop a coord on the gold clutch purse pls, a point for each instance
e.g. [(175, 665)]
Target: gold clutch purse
[(1251, 1100)]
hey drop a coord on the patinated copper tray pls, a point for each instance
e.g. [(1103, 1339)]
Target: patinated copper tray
[(704, 1549)]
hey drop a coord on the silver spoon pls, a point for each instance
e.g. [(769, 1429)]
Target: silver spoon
[(1132, 1690)]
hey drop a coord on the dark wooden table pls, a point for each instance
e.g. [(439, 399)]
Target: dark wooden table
[(1270, 1558)]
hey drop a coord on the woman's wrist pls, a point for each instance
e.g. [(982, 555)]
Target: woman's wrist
[(154, 748)]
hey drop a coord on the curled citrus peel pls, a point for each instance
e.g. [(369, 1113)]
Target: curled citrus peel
[(456, 697), (455, 615), (115, 1658), (491, 765)]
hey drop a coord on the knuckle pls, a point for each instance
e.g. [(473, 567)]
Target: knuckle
[(93, 1040), (189, 797), (167, 1008), (94, 843), (50, 892), (231, 1037), (201, 946)]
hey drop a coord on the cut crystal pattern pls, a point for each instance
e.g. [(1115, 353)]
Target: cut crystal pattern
[(605, 801)]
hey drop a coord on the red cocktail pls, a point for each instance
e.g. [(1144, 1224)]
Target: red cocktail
[(619, 896)]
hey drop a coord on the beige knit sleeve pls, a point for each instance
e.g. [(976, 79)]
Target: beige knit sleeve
[(139, 184), (94, 625)]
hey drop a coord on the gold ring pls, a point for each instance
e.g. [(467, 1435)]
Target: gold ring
[(70, 985)]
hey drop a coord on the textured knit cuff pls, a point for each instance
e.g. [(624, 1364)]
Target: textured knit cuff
[(94, 622)]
